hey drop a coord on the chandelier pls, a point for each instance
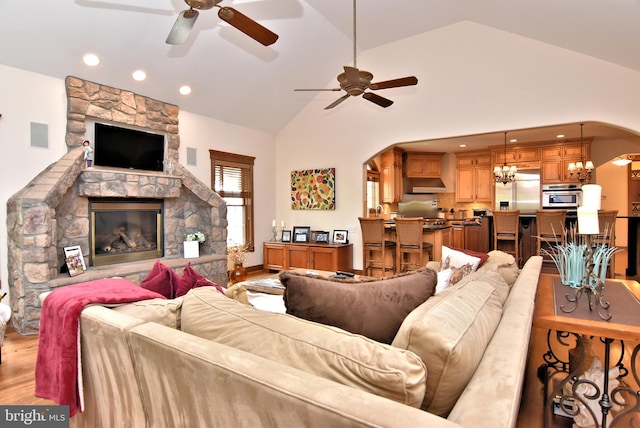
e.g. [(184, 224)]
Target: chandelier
[(581, 170), (505, 174)]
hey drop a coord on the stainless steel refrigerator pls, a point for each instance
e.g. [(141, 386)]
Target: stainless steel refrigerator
[(523, 194)]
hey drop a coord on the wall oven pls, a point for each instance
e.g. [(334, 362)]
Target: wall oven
[(561, 196)]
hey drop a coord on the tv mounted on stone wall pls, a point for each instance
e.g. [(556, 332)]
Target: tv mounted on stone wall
[(127, 148)]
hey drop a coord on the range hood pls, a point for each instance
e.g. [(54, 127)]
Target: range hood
[(424, 185)]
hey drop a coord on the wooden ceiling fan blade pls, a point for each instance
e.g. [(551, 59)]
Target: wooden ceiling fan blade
[(395, 83), (248, 26), (336, 102), (311, 89), (182, 27), (377, 99)]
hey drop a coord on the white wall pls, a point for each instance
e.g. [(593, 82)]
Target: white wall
[(28, 97), (206, 134), (472, 79)]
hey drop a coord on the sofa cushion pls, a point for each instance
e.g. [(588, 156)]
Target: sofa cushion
[(452, 258), (161, 279), (503, 263), (450, 331), (357, 306), (161, 311), (482, 256), (237, 292), (191, 279), (323, 350)]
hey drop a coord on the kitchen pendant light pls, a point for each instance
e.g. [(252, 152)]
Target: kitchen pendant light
[(581, 169), (505, 174)]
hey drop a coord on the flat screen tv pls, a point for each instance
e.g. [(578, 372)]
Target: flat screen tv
[(127, 148)]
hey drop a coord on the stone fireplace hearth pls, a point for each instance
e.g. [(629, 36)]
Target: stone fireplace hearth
[(52, 211)]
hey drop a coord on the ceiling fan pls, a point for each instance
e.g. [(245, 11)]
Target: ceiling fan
[(356, 82), (187, 18)]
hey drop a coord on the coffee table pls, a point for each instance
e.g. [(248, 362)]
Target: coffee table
[(624, 325)]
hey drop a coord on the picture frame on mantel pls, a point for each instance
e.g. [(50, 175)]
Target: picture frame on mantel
[(74, 260), (286, 236)]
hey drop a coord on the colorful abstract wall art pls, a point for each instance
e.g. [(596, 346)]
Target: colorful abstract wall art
[(313, 189)]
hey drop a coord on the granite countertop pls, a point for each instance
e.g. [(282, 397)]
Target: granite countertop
[(392, 225)]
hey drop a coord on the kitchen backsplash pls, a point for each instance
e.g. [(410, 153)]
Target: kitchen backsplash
[(448, 201)]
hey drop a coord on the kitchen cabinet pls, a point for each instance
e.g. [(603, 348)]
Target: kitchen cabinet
[(391, 176), (326, 257), (457, 236), (476, 238), (556, 158), (474, 177), (516, 155), (423, 165)]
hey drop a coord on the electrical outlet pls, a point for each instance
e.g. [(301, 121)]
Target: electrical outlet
[(351, 228)]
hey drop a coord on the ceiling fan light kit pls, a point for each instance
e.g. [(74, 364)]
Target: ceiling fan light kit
[(356, 82)]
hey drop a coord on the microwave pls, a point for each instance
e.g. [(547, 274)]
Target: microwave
[(561, 196)]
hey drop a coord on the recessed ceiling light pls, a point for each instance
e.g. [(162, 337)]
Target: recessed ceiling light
[(513, 140), (185, 90), (139, 75), (463, 145), (91, 59), (560, 136)]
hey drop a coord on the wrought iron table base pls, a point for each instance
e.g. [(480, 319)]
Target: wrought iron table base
[(630, 413)]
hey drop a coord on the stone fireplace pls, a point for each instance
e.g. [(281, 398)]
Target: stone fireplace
[(60, 207)]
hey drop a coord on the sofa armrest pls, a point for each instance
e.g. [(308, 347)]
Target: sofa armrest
[(504, 362)]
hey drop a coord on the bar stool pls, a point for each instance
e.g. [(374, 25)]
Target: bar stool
[(607, 235), (506, 228), (550, 228), (409, 241), (375, 247)]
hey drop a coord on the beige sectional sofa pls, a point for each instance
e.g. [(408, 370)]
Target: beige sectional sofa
[(204, 360)]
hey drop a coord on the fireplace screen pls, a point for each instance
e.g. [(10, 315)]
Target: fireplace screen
[(125, 231)]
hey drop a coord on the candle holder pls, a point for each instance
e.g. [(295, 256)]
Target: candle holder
[(591, 285), (274, 231)]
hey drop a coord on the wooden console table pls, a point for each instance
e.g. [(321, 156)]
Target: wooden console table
[(289, 255), (563, 327)]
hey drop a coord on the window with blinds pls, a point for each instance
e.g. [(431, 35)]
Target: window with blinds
[(232, 179)]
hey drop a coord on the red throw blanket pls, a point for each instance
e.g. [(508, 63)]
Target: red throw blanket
[(57, 361)]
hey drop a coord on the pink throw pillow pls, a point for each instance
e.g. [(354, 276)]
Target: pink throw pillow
[(162, 280), (191, 279)]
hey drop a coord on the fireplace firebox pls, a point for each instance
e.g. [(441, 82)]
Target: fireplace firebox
[(125, 231)]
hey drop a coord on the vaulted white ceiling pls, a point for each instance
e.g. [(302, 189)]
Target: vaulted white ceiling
[(237, 80)]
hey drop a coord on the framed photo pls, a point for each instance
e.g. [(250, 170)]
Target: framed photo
[(301, 234), (322, 237), (74, 260), (340, 236), (286, 236), (314, 234)]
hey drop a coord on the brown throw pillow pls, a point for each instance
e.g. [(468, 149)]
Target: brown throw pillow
[(374, 309)]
